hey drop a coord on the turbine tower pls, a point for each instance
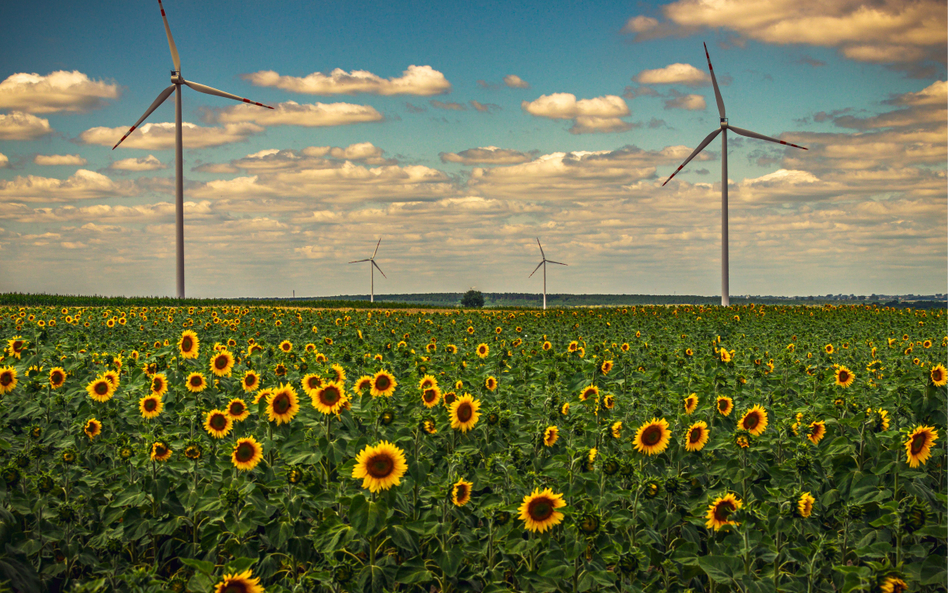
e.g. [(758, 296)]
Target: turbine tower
[(725, 126), (176, 81), (372, 267), (543, 263)]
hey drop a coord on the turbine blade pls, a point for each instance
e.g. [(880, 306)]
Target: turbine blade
[(202, 88), (535, 269), (377, 247), (714, 82), (359, 261), (550, 261), (543, 255), (701, 146), (174, 50), (750, 134), (161, 99), (379, 269)]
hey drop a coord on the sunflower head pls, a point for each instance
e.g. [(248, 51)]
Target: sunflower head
[(383, 384), (938, 375), (380, 467), (160, 451), (550, 435), (189, 344), (247, 454), (754, 421), (330, 398), (92, 428), (538, 510), (196, 383), (243, 582), (919, 443), (804, 505), (464, 412), (218, 423), (724, 405), (691, 403), (461, 492), (844, 377), (150, 406), (652, 437), (696, 437), (720, 510), (282, 404), (816, 431)]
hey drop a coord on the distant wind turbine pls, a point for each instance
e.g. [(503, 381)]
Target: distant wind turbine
[(543, 263), (374, 266), (176, 82), (725, 295)]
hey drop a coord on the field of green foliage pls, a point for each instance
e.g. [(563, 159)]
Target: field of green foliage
[(672, 448)]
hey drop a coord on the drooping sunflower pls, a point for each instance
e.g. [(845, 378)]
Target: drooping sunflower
[(616, 429), (461, 492), (720, 510), (844, 377), (100, 389), (725, 405), (697, 436), (282, 404), (805, 505), (893, 584), (754, 420), (159, 384), (380, 467), (330, 398), (550, 435), (691, 403), (919, 444), (57, 378), (150, 406), (239, 583), (8, 380), (237, 410), (938, 375), (564, 409), (189, 344), (538, 510), (429, 427), (247, 454), (816, 432), (311, 384), (451, 349), (222, 363), (160, 451), (383, 384), (652, 437), (430, 396), (92, 428), (590, 391), (464, 413), (490, 383)]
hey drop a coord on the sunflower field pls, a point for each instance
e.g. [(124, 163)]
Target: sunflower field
[(672, 448)]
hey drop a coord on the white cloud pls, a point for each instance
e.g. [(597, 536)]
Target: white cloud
[(160, 136), (56, 92), (674, 74), (60, 159), (486, 155), (82, 185), (416, 80), (600, 114), (4, 161), (306, 115), (147, 163), (689, 102), (515, 82), (22, 126)]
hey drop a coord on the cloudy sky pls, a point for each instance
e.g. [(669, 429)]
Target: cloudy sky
[(460, 134)]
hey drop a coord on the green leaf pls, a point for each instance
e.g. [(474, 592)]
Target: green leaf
[(199, 565), (720, 569)]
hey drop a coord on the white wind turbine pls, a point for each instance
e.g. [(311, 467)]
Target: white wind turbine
[(725, 295), (176, 82), (543, 263), (372, 269)]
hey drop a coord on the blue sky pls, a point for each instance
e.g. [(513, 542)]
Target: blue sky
[(475, 129)]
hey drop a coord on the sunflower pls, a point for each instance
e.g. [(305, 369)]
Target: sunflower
[(588, 392), (805, 505), (547, 346), (550, 435), (380, 467), (92, 428), (724, 355), (8, 380), (150, 406), (464, 413), (247, 453), (429, 426), (330, 398), (451, 349), (430, 396), (720, 509), (362, 383), (828, 349), (239, 583), (616, 429), (609, 401), (311, 384), (939, 375), (159, 384), (893, 584), (697, 436), (691, 403), (193, 452), (564, 409), (606, 366), (188, 344), (286, 346), (222, 363), (383, 383), (196, 383), (113, 378), (16, 345), (725, 405), (427, 382), (100, 389), (160, 451), (490, 383), (57, 377), (844, 377), (483, 350), (754, 421), (282, 404), (919, 444), (816, 432), (652, 437), (461, 492), (279, 370), (538, 510)]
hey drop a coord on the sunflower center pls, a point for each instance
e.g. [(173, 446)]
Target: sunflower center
[(187, 343), (751, 421), (220, 363), (380, 466), (151, 404), (938, 375), (196, 381), (695, 435), (722, 405), (250, 380), (843, 376), (330, 396), (6, 379), (244, 452), (281, 403), (314, 383), (652, 435), (465, 412), (540, 509), (237, 408), (156, 385), (461, 492), (918, 443), (218, 422), (382, 383), (101, 388), (57, 377), (429, 395), (160, 450), (723, 509)]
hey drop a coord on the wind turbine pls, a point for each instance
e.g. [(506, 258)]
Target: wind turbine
[(176, 82), (543, 263), (725, 295), (372, 269)]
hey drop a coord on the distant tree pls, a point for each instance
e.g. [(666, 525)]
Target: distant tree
[(472, 298)]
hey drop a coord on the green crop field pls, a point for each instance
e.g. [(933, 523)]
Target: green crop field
[(235, 447)]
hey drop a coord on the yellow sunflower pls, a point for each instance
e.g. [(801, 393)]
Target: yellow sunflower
[(697, 436), (150, 406), (188, 344), (483, 350), (8, 381), (725, 405), (113, 378), (844, 377), (550, 435), (159, 384), (339, 372), (286, 346), (817, 432), (606, 366), (919, 444), (720, 510), (218, 423), (92, 428), (939, 375), (57, 377), (652, 437), (691, 403), (430, 396), (383, 384), (828, 349), (282, 404), (237, 410), (464, 413), (590, 391), (805, 505), (609, 401), (427, 382), (330, 398), (893, 584), (490, 383), (196, 383), (239, 583), (754, 421), (380, 467), (616, 429), (564, 409), (538, 510), (364, 382), (461, 492), (222, 363), (99, 389), (311, 384), (247, 454), (160, 451)]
